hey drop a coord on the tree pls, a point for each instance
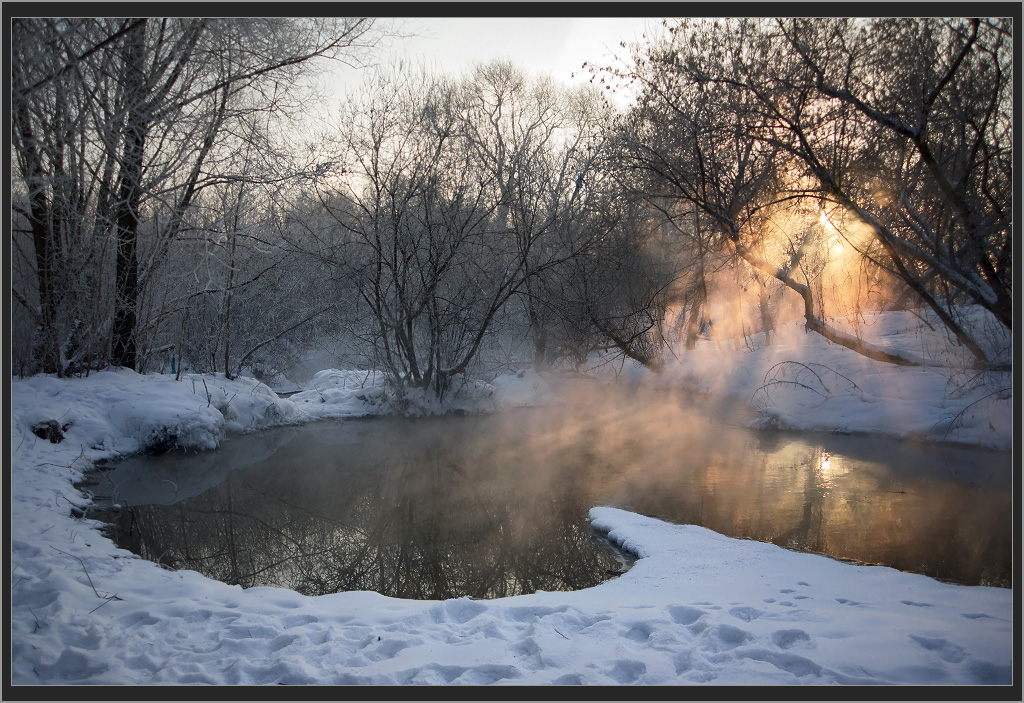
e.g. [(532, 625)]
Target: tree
[(457, 202), (63, 181), (900, 128), (942, 149), (141, 106), (691, 159), (412, 217), (542, 149)]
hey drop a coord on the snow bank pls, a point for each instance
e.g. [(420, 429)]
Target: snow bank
[(804, 382), (697, 608), (119, 412)]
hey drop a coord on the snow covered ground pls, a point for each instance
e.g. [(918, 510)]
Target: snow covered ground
[(697, 608)]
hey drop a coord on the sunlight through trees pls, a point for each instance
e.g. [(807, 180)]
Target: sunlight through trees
[(170, 213)]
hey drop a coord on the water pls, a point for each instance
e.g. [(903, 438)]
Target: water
[(496, 506)]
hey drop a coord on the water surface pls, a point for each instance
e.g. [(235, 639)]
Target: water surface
[(496, 506)]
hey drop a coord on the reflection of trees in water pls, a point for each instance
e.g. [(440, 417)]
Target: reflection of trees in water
[(863, 514), (491, 507), (427, 528)]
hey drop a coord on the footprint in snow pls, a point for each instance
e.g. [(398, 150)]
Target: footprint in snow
[(197, 616), (746, 613), (431, 675), (138, 619), (298, 620), (726, 637), (946, 650), (784, 639), (279, 643), (640, 632), (685, 615), (385, 649), (488, 674), (790, 663), (627, 671)]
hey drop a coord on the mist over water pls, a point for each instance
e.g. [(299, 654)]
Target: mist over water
[(491, 506)]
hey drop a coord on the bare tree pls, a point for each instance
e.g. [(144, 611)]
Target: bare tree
[(63, 182), (542, 148), (457, 203), (142, 106), (821, 109), (412, 218)]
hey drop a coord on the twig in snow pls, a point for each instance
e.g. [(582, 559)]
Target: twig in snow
[(106, 599), (958, 418), (829, 368), (39, 625), (162, 565), (777, 382)]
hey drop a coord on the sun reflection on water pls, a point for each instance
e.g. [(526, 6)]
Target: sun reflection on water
[(823, 470)]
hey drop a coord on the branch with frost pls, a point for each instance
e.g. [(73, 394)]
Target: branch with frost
[(957, 420), (260, 345), (816, 324), (803, 376)]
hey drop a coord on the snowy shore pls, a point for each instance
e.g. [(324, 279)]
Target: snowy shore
[(697, 608)]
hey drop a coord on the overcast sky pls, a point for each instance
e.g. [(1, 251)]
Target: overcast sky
[(555, 46)]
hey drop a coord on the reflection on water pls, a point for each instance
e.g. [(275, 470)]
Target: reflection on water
[(496, 506), (407, 509)]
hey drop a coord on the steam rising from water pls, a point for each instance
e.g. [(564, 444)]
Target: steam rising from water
[(496, 505)]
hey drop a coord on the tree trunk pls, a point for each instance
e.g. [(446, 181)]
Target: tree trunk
[(701, 296), (43, 241), (767, 321), (129, 192), (811, 319), (696, 310)]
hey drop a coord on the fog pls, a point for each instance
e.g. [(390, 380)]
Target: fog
[(491, 506)]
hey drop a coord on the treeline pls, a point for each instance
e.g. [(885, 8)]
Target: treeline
[(169, 211), (138, 146)]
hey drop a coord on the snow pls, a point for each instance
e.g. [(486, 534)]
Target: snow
[(696, 608)]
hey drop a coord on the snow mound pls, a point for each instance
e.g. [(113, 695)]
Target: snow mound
[(804, 382), (696, 608)]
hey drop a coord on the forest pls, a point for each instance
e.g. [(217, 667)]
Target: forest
[(692, 367), (173, 209)]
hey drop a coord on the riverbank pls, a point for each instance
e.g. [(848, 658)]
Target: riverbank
[(697, 608)]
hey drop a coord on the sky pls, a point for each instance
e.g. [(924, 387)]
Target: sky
[(544, 45)]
